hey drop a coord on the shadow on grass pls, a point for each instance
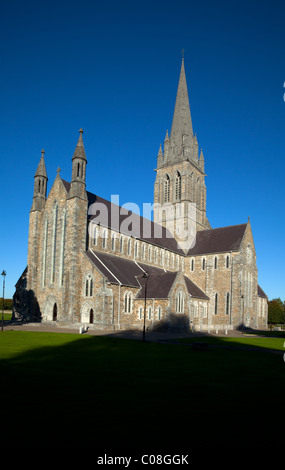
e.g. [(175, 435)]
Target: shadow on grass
[(117, 395)]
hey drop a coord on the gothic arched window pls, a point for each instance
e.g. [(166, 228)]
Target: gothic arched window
[(166, 188), (121, 244), (129, 246), (179, 302), (89, 284), (216, 304), (104, 239), (128, 302), (178, 186), (227, 261), (227, 303), (113, 242)]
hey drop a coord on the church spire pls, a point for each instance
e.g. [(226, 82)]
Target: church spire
[(182, 122)]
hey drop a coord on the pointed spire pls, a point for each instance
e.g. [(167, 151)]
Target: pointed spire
[(79, 150), (182, 122), (166, 146), (41, 170), (40, 185), (202, 161), (159, 157)]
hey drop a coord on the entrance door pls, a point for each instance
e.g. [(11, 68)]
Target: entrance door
[(91, 316), (54, 313)]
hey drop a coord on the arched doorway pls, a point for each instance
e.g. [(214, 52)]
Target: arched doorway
[(91, 316), (54, 313)]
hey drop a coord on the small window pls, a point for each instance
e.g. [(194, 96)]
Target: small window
[(113, 242), (149, 313), (129, 246), (94, 234), (180, 302), (227, 261), (216, 304), (216, 262), (203, 264), (192, 265), (167, 259), (128, 305), (140, 313), (227, 303), (166, 188), (155, 255), (178, 186), (104, 241), (89, 286), (159, 311), (121, 244)]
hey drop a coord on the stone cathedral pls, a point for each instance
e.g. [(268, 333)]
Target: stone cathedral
[(86, 269)]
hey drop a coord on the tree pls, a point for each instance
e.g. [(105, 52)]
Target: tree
[(276, 311)]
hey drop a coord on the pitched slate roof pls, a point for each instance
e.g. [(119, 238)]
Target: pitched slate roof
[(218, 240), (127, 222), (117, 270), (194, 290), (127, 272), (158, 285)]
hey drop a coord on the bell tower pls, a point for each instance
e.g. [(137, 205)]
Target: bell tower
[(180, 173)]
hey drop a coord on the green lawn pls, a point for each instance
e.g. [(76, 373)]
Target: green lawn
[(241, 341), (99, 392), (6, 316)]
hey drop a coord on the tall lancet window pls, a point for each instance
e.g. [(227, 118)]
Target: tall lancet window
[(166, 188), (178, 186), (45, 253), (179, 301), (54, 236), (62, 244)]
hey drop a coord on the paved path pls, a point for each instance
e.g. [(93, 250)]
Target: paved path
[(131, 334)]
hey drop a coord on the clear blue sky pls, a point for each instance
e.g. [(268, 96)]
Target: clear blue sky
[(112, 68)]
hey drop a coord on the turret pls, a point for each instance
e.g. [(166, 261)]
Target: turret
[(40, 186), (202, 161), (159, 157), (166, 146), (78, 178)]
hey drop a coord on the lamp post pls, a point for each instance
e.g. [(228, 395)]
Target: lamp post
[(3, 274), (145, 276)]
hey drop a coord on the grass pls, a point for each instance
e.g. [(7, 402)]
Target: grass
[(245, 341), (6, 316), (76, 390)]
